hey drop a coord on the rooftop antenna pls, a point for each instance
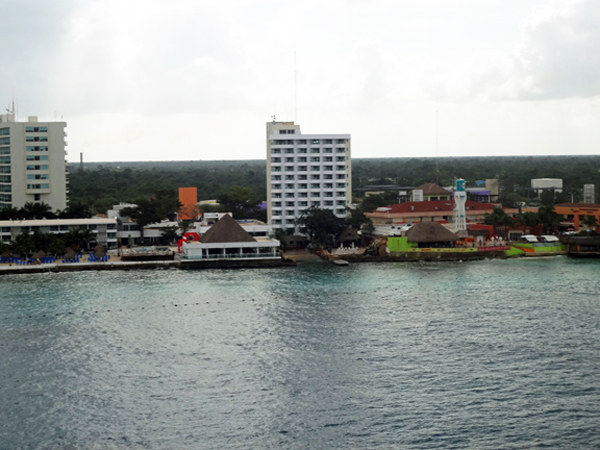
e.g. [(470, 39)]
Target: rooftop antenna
[(437, 172), (295, 91)]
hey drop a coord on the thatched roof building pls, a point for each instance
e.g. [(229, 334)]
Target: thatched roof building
[(226, 230), (430, 232)]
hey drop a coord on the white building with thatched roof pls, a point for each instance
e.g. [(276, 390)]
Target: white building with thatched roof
[(226, 239)]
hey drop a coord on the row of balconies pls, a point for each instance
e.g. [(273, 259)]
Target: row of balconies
[(305, 169)]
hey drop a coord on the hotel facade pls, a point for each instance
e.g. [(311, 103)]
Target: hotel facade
[(32, 163), (305, 170)]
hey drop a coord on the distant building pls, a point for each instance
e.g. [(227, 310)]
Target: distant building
[(430, 191), (305, 170), (188, 197), (589, 193), (539, 185), (32, 163)]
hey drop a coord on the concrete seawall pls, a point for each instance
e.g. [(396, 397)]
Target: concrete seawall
[(6, 269)]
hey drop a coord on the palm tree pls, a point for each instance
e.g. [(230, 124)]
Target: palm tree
[(528, 219), (31, 210), (548, 217)]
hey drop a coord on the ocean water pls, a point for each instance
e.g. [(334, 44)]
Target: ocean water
[(497, 354)]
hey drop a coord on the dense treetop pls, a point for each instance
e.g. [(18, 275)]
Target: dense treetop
[(101, 185)]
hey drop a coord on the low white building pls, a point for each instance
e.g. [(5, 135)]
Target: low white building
[(104, 231), (226, 239)]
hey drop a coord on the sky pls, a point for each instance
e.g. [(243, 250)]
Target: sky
[(151, 80)]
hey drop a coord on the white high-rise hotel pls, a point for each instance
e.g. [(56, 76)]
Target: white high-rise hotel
[(306, 170), (32, 163)]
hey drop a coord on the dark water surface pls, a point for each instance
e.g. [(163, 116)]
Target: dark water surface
[(485, 355)]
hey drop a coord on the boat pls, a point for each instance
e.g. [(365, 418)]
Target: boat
[(340, 262)]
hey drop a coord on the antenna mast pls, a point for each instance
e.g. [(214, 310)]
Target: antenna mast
[(295, 91)]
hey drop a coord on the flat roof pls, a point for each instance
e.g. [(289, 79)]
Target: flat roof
[(50, 222)]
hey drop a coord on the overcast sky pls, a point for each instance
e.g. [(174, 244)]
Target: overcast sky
[(192, 79)]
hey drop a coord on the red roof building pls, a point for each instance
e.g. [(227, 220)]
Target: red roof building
[(432, 211)]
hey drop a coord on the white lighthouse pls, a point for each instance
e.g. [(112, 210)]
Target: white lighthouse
[(460, 199)]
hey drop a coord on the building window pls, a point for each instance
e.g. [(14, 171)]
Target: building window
[(289, 159), (340, 167), (302, 186), (340, 176), (301, 150), (328, 168), (328, 202), (276, 160), (276, 186), (4, 150), (315, 203), (315, 186), (302, 177), (315, 177), (289, 177), (273, 177), (5, 141), (276, 151), (328, 150), (315, 168), (289, 150), (315, 150), (340, 158), (290, 186), (315, 159), (340, 150), (276, 204)]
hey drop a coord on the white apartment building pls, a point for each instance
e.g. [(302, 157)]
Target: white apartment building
[(32, 162), (104, 231), (305, 170)]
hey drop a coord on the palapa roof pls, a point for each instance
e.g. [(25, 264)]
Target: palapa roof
[(70, 253), (430, 232), (39, 254), (226, 230), (433, 189)]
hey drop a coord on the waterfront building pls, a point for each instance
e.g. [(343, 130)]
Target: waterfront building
[(227, 240), (305, 170), (104, 231), (574, 214), (32, 163), (433, 211)]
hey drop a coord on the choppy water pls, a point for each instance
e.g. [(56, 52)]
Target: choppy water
[(486, 355)]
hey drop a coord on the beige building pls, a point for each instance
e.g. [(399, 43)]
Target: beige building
[(305, 170), (32, 163)]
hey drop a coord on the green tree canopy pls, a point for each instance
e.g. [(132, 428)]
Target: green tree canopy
[(321, 226)]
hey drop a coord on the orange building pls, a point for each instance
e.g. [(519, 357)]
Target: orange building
[(574, 213), (188, 197)]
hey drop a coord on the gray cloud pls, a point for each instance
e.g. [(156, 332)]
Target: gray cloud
[(560, 53)]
